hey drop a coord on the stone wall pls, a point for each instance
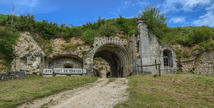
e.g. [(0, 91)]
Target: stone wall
[(59, 47), (65, 61), (188, 65), (205, 64), (28, 55), (11, 75), (201, 64)]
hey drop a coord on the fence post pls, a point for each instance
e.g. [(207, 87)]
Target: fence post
[(159, 70)]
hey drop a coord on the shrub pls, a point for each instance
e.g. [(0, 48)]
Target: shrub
[(100, 68), (7, 40), (155, 20), (201, 34), (89, 35), (127, 26), (25, 23), (108, 29)]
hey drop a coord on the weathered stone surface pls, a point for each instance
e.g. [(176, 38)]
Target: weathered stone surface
[(29, 56), (11, 75), (64, 61), (203, 64), (144, 46)]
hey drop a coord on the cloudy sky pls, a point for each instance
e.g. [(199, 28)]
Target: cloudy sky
[(78, 12)]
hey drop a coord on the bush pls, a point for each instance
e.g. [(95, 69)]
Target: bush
[(127, 26), (7, 40), (108, 29), (89, 35), (201, 34), (25, 23), (155, 20)]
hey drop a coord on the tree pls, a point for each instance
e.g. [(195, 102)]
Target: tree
[(12, 12), (155, 20)]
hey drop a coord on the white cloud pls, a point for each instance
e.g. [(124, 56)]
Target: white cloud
[(124, 5), (177, 20), (186, 5), (128, 4), (193, 3), (210, 8), (206, 19)]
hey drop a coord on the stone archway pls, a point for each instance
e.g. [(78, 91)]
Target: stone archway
[(117, 57), (65, 61)]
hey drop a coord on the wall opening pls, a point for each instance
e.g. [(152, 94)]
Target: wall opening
[(167, 58), (67, 65), (116, 56), (101, 67)]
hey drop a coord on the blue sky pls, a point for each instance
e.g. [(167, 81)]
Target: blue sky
[(78, 12)]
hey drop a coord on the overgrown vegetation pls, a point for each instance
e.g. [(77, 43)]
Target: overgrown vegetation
[(7, 40), (88, 32), (16, 92), (170, 91), (70, 47), (45, 45)]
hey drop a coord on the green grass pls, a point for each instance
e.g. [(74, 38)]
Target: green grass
[(170, 91), (111, 80), (16, 92)]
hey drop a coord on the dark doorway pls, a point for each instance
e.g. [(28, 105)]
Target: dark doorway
[(68, 67), (108, 75)]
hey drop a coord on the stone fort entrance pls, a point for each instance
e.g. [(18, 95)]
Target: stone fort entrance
[(125, 56), (115, 55)]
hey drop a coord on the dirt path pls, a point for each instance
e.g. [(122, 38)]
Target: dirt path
[(101, 94)]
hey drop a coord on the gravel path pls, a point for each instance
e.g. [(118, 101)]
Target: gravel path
[(101, 94)]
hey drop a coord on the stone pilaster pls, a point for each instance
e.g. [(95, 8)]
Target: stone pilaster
[(144, 46)]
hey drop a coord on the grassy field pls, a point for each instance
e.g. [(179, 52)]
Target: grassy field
[(170, 91), (16, 92)]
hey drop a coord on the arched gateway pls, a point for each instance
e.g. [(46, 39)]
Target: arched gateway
[(116, 56)]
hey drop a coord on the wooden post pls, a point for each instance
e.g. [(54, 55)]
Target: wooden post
[(156, 65), (141, 65), (159, 70)]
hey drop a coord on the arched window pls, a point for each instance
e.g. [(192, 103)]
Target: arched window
[(166, 59)]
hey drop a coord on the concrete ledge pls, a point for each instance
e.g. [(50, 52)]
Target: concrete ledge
[(47, 75), (61, 75)]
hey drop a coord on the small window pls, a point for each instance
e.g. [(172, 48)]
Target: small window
[(67, 65), (166, 59)]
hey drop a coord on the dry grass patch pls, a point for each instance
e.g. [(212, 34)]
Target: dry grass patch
[(170, 91), (16, 92)]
